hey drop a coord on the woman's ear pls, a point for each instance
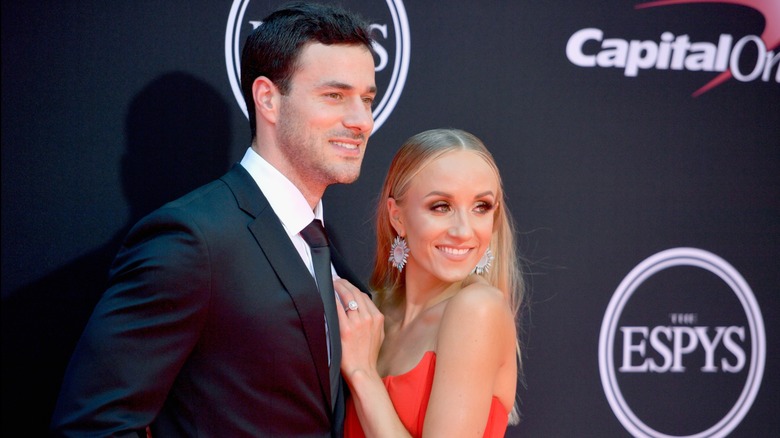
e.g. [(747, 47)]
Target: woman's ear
[(395, 217), (266, 97)]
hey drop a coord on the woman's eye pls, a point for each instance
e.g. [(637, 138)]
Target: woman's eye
[(441, 207), (483, 207)]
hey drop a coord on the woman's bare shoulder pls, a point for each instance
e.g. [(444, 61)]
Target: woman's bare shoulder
[(479, 310), (478, 297)]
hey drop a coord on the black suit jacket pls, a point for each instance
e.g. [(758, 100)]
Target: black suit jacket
[(212, 326)]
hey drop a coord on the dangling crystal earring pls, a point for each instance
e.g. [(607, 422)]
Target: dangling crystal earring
[(398, 253), (483, 265)]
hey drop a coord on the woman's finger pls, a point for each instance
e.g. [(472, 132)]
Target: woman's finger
[(345, 292)]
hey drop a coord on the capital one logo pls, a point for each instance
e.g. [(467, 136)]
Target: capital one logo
[(389, 27), (682, 347), (749, 58)]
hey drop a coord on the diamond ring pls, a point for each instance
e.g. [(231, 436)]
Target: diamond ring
[(352, 305)]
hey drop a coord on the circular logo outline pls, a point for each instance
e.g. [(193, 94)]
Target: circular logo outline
[(397, 79), (682, 257)]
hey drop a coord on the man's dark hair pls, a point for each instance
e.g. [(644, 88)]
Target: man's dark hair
[(272, 50)]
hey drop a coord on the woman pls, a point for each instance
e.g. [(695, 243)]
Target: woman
[(442, 357)]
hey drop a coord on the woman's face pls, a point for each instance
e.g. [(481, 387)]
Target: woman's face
[(446, 216)]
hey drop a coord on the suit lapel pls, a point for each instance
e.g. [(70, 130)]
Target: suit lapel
[(286, 262)]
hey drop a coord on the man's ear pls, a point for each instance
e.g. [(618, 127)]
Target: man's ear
[(395, 217), (266, 97)]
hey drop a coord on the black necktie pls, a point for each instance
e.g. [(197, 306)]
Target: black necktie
[(314, 235)]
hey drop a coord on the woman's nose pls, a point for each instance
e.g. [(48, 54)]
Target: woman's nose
[(461, 225)]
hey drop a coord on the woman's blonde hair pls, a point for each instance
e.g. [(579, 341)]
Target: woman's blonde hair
[(387, 282)]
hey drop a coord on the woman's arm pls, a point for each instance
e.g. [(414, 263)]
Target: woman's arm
[(475, 345), (362, 333)]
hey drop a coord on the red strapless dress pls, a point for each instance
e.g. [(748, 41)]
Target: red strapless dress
[(410, 393)]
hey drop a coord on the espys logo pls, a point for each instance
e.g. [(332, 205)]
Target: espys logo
[(679, 53), (682, 347), (390, 30)]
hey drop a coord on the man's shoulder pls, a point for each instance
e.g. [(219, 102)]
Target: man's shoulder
[(224, 189)]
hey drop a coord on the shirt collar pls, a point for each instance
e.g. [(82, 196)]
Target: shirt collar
[(286, 200)]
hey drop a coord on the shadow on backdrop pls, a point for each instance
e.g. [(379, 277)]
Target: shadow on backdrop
[(178, 138)]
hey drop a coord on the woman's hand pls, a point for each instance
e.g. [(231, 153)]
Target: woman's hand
[(362, 331)]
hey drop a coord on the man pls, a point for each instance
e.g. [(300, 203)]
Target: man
[(212, 324)]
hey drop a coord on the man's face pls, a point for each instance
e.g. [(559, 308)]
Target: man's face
[(325, 118)]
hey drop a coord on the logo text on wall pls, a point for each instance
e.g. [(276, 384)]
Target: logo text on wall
[(591, 47), (390, 27), (682, 347)]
